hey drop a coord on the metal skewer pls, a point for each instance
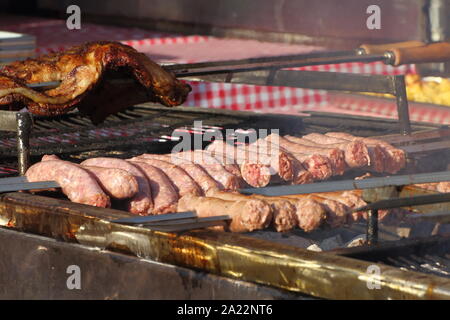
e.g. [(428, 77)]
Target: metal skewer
[(350, 184)]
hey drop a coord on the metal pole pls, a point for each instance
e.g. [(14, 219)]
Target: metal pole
[(372, 227), (24, 124), (402, 104)]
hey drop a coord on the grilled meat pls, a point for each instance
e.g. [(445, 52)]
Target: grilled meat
[(283, 212), (319, 166), (142, 202), (117, 183), (226, 179), (196, 172), (183, 183), (189, 174), (85, 72), (164, 193), (77, 183), (335, 155), (394, 158), (355, 152), (246, 215)]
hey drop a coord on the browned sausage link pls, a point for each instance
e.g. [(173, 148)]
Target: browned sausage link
[(246, 215), (117, 183), (319, 166), (211, 165), (310, 213), (141, 203), (283, 212), (279, 161), (356, 153), (349, 199), (165, 196), (284, 163), (334, 155), (396, 158), (336, 211), (300, 174), (183, 183), (196, 172), (226, 162), (76, 183), (255, 173), (256, 161)]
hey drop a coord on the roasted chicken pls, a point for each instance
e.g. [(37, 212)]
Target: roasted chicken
[(88, 75)]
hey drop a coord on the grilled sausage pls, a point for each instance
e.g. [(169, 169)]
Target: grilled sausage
[(164, 194), (196, 172), (226, 161), (117, 183), (76, 183), (257, 164), (246, 215), (334, 156), (356, 153), (310, 214), (227, 180), (283, 212), (395, 158), (141, 203), (348, 198), (336, 212), (286, 165), (254, 172), (183, 183), (319, 166)]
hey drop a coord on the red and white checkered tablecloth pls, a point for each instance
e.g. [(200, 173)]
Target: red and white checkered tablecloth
[(384, 107), (52, 35)]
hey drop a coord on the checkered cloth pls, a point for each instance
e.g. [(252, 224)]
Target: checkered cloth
[(382, 107), (52, 35)]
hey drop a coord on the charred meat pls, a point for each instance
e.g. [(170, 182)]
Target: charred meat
[(86, 73)]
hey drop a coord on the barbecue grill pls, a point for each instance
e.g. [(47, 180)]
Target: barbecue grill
[(275, 266)]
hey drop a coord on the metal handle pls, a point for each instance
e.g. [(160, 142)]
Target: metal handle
[(24, 124), (434, 52), (382, 48)]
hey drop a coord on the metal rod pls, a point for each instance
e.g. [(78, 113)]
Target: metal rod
[(372, 227), (156, 219), (24, 124), (402, 104), (41, 185), (44, 85), (440, 216), (350, 184), (307, 79), (259, 60), (217, 68), (406, 202)]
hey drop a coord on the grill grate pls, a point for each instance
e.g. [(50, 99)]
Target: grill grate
[(136, 130), (430, 255), (149, 128)]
